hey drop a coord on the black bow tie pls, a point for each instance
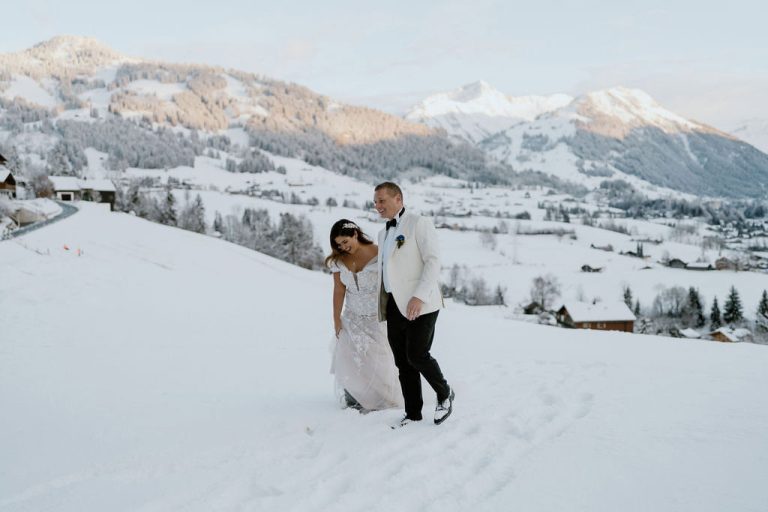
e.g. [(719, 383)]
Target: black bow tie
[(391, 223)]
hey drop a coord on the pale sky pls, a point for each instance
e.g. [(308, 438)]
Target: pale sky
[(703, 59)]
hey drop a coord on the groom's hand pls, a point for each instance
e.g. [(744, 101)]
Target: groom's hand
[(414, 308)]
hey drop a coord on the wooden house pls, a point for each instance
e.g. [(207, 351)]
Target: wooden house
[(728, 335), (101, 191), (533, 308), (676, 263), (7, 183), (68, 188), (613, 316), (725, 264)]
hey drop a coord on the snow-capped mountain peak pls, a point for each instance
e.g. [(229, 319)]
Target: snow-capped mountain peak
[(477, 110), (481, 98), (631, 108), (77, 50), (62, 55)]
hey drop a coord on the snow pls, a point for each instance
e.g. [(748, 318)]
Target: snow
[(481, 98), (247, 106), (238, 136), (65, 182), (164, 91), (633, 106), (690, 333), (22, 86), (164, 370), (477, 110)]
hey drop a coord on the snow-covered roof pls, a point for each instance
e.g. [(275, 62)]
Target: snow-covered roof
[(65, 183), (600, 312), (733, 334), (99, 185), (4, 173), (72, 183), (690, 333)]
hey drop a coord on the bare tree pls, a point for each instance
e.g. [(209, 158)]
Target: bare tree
[(545, 289)]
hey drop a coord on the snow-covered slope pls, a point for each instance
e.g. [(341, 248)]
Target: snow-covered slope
[(163, 370), (475, 111)]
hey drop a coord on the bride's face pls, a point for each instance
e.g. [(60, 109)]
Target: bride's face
[(348, 244)]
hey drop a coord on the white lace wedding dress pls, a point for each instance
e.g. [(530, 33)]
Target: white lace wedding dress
[(362, 360)]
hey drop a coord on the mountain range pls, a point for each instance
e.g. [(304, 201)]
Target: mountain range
[(607, 134), (68, 89)]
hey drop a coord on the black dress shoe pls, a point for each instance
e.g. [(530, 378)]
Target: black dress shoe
[(444, 408), (405, 420)]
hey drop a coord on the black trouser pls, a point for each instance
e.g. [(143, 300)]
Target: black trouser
[(410, 342)]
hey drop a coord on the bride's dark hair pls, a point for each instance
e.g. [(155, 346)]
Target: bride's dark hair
[(344, 227)]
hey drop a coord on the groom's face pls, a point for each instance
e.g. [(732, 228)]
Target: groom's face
[(387, 205)]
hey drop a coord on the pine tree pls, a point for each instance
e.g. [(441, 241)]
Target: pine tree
[(693, 311), (762, 308), (732, 309), (628, 296), (714, 316), (499, 295), (637, 308), (168, 209), (761, 319), (218, 223)]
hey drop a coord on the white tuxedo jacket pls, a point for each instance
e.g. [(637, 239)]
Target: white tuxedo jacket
[(413, 268)]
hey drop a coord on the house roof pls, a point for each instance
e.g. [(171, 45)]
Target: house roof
[(690, 333), (732, 334), (98, 185), (4, 173), (71, 183), (600, 312), (64, 183)]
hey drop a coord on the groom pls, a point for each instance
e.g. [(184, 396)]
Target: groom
[(409, 300)]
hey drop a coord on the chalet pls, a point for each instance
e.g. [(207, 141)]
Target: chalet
[(534, 308), (101, 191), (607, 248), (691, 334), (676, 263), (7, 183), (725, 264), (614, 316), (66, 188), (589, 268), (728, 335)]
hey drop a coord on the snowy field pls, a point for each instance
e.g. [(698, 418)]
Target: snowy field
[(163, 370)]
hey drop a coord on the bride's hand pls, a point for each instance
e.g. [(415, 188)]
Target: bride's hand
[(337, 326)]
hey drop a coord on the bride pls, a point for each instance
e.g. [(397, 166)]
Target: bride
[(363, 365)]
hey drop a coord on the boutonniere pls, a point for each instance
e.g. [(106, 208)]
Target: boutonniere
[(400, 241)]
